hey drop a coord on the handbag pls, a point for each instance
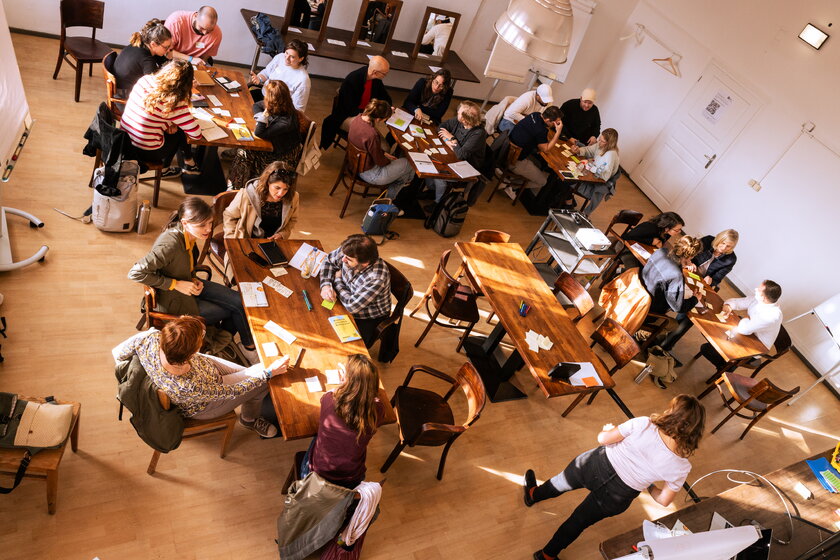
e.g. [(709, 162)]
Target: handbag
[(378, 218), (661, 365), (32, 426)]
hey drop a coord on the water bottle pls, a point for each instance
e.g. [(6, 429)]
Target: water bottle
[(143, 217)]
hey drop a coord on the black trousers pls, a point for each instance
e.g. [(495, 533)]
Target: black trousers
[(367, 328), (708, 352), (172, 144), (608, 496)]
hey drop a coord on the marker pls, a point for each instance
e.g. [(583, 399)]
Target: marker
[(306, 300)]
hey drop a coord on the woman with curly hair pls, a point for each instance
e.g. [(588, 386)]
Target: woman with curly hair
[(147, 52), (430, 96), (157, 118), (630, 459), (277, 122), (267, 207)]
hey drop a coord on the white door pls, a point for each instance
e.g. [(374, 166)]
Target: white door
[(694, 140)]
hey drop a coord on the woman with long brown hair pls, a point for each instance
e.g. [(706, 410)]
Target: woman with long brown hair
[(350, 415), (430, 96), (157, 117), (267, 207), (277, 122), (631, 458), (146, 53), (170, 269)]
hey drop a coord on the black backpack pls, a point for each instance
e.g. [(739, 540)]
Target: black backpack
[(449, 214)]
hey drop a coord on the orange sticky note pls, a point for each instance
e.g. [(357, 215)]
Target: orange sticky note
[(590, 382)]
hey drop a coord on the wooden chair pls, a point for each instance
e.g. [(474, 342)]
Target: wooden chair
[(425, 418), (508, 177), (115, 102), (354, 163), (158, 319), (618, 343), (84, 50), (44, 464), (402, 291), (294, 472), (195, 428), (575, 293), (628, 218), (586, 207), (490, 236), (756, 396), (214, 250), (451, 299)]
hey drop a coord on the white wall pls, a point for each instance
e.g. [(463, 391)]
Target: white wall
[(13, 105)]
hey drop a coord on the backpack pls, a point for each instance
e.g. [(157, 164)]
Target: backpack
[(378, 219), (115, 208), (660, 365), (449, 214)]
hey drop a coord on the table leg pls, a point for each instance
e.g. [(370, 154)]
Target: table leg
[(496, 376), (256, 58)]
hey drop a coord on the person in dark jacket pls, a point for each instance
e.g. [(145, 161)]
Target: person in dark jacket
[(655, 231), (277, 122), (467, 139), (430, 96), (147, 51), (662, 276), (582, 122), (712, 263), (356, 91)]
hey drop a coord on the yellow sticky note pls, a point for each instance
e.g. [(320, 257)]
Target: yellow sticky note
[(328, 304)]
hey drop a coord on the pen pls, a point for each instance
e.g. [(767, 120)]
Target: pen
[(306, 300)]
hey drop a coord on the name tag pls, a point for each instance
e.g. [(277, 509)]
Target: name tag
[(199, 45)]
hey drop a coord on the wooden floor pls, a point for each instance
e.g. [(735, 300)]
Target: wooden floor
[(66, 314)]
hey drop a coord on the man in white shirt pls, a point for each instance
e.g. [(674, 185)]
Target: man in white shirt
[(764, 318), (525, 104), (438, 36)]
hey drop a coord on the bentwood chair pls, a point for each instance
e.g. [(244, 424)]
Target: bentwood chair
[(214, 250), (508, 177), (618, 343), (115, 102), (83, 50), (348, 177), (426, 418), (195, 428), (629, 219), (574, 291), (755, 398), (451, 299), (402, 291), (490, 236)]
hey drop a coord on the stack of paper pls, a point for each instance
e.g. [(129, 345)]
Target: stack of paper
[(400, 119), (536, 341), (305, 252), (586, 376), (253, 294), (422, 162), (463, 169)]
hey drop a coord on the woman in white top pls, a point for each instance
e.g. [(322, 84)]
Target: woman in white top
[(290, 67), (604, 160), (630, 459)]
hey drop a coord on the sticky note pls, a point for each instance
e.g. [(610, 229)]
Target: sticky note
[(234, 95), (216, 110), (278, 271), (328, 304), (280, 332), (270, 349), (437, 141), (333, 377), (224, 113), (407, 146), (590, 382), (214, 100), (313, 385), (239, 120), (427, 131), (408, 137)]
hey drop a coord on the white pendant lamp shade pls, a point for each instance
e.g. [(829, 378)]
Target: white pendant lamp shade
[(540, 28)]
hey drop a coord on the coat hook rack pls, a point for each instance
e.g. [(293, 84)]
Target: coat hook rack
[(671, 63)]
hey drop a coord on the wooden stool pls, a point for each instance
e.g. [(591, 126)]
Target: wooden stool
[(44, 464)]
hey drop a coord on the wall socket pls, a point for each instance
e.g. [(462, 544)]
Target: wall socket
[(756, 186)]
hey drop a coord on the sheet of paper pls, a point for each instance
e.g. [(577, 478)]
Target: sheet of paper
[(463, 169), (545, 342), (313, 384), (238, 120), (306, 250), (336, 42), (407, 146), (226, 113), (210, 131), (400, 119), (532, 338), (566, 153), (201, 113), (408, 137), (422, 162), (333, 377), (295, 30), (428, 152), (253, 294), (214, 100), (370, 56), (270, 349), (417, 130), (435, 68), (641, 250), (363, 43), (720, 317), (216, 110), (311, 47), (400, 54), (234, 84), (279, 271), (586, 376), (709, 305), (327, 303), (427, 131), (423, 55), (234, 95), (277, 286), (437, 141), (280, 332)]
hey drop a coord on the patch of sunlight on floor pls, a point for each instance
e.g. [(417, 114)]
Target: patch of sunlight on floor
[(796, 437), (765, 431), (416, 263), (410, 456), (305, 232), (517, 479), (803, 428)]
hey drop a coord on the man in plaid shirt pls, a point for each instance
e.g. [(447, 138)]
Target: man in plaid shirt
[(362, 282)]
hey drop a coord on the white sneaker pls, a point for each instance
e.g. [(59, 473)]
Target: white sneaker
[(250, 355), (262, 426), (511, 194)]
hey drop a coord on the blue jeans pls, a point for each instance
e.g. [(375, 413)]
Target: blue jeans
[(608, 496), (439, 185), (505, 125), (394, 176), (220, 304)]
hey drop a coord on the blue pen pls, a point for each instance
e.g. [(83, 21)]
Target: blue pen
[(306, 300)]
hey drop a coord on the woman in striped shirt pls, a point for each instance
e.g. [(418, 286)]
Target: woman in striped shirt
[(157, 117)]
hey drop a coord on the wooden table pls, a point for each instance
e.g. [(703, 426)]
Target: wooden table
[(240, 106), (747, 502), (297, 408), (558, 162), (44, 464), (420, 143), (506, 276), (359, 54)]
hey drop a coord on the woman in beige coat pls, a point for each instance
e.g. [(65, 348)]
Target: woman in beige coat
[(267, 207)]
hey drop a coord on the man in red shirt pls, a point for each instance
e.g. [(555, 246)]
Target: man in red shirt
[(195, 35)]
